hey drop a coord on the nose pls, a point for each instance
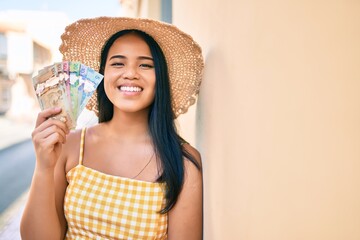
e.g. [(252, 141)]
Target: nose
[(130, 72)]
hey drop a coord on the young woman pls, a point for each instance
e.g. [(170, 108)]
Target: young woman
[(131, 176)]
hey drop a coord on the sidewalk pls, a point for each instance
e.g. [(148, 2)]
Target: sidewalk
[(10, 220), (12, 132)]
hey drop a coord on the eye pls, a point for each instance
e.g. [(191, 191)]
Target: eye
[(146, 66), (117, 64)]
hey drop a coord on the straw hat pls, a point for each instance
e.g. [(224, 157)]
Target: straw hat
[(83, 41)]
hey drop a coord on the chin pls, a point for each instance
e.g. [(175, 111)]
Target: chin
[(131, 110)]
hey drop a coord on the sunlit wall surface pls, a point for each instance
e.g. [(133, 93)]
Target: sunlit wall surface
[(278, 121)]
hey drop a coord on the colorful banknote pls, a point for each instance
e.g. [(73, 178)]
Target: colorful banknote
[(68, 85)]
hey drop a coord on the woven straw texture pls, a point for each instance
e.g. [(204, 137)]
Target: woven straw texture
[(102, 206), (84, 39)]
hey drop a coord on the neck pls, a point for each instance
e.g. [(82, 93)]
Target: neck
[(129, 126)]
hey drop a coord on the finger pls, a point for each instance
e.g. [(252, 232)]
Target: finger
[(50, 131), (52, 122), (53, 139), (44, 115), (40, 137), (47, 128)]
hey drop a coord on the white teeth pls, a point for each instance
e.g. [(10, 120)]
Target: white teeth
[(130, 89)]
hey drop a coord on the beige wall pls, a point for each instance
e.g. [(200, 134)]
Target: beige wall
[(141, 8), (278, 119)]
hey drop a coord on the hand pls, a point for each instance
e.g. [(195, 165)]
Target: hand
[(48, 136)]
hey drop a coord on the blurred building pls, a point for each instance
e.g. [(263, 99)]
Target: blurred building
[(26, 44), (5, 82)]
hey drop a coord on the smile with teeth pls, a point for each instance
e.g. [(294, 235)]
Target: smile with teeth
[(130, 89)]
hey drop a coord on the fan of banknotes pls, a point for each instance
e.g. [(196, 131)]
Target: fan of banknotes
[(68, 85)]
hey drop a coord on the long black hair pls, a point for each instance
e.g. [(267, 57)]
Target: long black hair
[(167, 142)]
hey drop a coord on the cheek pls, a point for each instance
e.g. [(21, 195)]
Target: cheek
[(107, 86), (152, 80), (108, 79)]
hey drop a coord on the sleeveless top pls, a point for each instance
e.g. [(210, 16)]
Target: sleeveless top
[(103, 206)]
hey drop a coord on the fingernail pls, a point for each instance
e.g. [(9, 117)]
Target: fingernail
[(57, 109)]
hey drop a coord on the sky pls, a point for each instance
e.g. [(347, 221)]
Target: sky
[(51, 16), (74, 9)]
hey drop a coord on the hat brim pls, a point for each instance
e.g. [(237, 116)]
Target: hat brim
[(83, 41)]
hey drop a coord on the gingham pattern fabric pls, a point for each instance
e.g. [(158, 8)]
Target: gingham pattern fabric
[(102, 206)]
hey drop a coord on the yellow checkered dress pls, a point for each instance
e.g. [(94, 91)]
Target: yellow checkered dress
[(102, 206)]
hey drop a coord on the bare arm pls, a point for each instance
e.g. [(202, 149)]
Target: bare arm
[(186, 217), (43, 216)]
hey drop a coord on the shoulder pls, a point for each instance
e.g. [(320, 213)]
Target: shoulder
[(194, 153)]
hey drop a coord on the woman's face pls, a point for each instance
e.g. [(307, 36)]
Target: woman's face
[(129, 76)]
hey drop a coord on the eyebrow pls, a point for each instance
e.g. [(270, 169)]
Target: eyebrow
[(123, 57)]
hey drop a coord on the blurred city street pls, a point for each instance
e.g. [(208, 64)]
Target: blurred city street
[(16, 168)]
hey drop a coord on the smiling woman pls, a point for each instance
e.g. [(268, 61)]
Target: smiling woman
[(131, 176)]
